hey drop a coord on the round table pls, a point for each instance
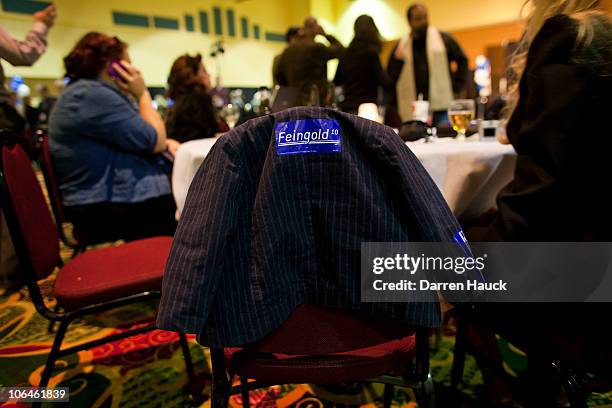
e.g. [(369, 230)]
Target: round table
[(469, 174)]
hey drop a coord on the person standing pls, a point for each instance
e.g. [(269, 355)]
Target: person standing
[(360, 72), (293, 33), (303, 65), (421, 65)]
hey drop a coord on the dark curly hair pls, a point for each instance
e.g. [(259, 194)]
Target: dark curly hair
[(91, 54), (183, 76)]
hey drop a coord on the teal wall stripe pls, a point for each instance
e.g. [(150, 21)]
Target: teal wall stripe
[(278, 37), (204, 22), (217, 19), (136, 20), (164, 22), (245, 27), (231, 25), (256, 31), (23, 6), (189, 22)]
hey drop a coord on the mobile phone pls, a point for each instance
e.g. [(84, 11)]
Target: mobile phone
[(113, 72)]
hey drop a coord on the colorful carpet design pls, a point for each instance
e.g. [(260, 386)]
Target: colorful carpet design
[(148, 370)]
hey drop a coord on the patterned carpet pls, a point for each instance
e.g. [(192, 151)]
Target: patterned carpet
[(148, 370)]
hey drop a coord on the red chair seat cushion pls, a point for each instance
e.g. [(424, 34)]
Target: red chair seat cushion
[(393, 357), (110, 273)]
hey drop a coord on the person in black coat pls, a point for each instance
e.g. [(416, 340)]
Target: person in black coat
[(360, 72), (561, 134)]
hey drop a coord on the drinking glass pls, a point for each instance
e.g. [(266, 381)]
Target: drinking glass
[(230, 113), (461, 114)]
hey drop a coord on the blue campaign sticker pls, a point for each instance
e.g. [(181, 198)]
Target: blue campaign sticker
[(308, 136), (460, 237), (462, 241)]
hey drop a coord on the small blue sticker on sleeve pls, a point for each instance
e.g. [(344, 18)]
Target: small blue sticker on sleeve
[(308, 136), (462, 241)]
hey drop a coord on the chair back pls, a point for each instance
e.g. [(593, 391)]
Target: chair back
[(48, 170), (45, 160), (27, 215)]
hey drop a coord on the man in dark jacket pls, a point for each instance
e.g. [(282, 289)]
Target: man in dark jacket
[(303, 65), (270, 224)]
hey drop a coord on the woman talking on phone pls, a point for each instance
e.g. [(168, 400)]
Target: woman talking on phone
[(106, 139)]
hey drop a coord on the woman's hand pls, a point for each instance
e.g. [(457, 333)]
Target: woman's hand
[(133, 82), (172, 146), (46, 16)]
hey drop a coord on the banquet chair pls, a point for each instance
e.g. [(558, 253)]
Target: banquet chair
[(77, 241), (95, 281), (320, 345)]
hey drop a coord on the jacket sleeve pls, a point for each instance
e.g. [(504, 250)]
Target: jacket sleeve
[(394, 70), (382, 77), (335, 49), (340, 77), (456, 54), (196, 260), (107, 117), (24, 52), (278, 70), (394, 66)]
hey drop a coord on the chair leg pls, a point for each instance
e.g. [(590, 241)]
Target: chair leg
[(219, 400), (51, 327), (460, 349), (220, 385), (388, 396), (188, 364), (78, 250), (425, 394), (55, 348), (437, 339), (244, 392), (575, 392)]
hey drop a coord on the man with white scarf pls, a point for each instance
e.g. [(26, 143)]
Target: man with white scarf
[(420, 64)]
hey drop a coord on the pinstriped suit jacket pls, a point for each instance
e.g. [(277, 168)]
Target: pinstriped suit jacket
[(261, 233)]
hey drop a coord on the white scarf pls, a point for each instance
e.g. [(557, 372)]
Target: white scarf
[(440, 85)]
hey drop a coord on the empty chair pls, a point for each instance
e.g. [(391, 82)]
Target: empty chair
[(93, 282)]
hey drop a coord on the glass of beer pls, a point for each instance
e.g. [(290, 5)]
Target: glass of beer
[(461, 114)]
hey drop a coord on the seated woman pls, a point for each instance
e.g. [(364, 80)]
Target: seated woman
[(192, 116), (558, 128), (106, 139)]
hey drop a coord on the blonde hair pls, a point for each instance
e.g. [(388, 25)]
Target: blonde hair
[(586, 14)]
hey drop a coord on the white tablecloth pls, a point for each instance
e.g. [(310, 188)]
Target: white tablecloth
[(469, 174)]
